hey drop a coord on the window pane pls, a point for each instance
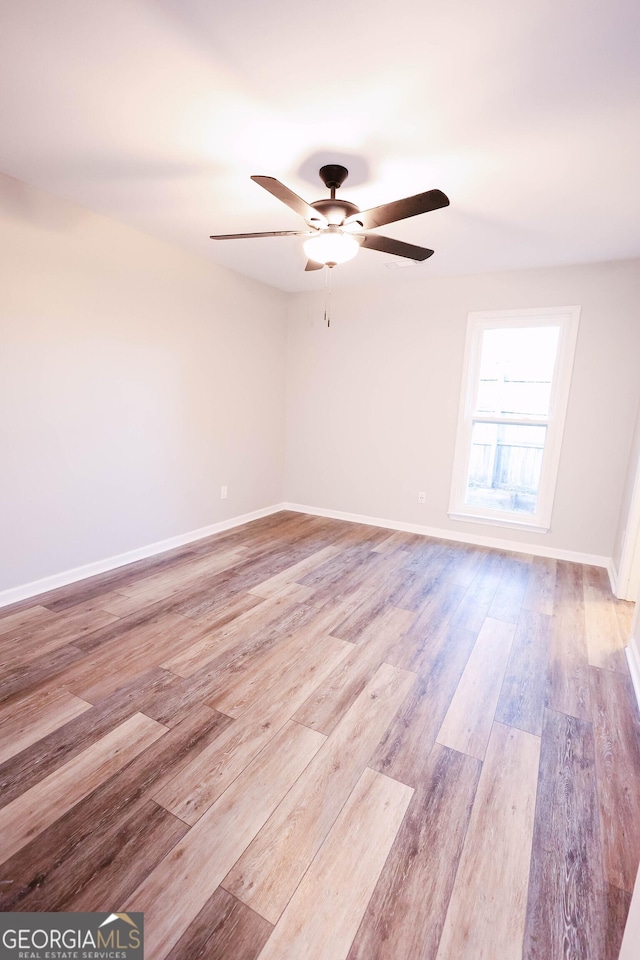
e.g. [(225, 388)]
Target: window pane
[(504, 467), (516, 368)]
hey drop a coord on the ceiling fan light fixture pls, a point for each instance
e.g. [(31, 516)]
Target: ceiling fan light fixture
[(331, 246)]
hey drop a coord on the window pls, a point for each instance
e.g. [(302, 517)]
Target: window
[(517, 372)]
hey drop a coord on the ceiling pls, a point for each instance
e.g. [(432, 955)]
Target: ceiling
[(157, 112)]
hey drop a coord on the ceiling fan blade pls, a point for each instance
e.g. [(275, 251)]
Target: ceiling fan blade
[(291, 199), (397, 247), (269, 233), (312, 265), (401, 209)]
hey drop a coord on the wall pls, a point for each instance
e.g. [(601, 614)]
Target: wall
[(372, 401), (629, 948), (628, 589), (135, 380)]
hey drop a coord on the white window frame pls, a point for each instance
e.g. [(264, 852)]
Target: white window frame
[(567, 318)]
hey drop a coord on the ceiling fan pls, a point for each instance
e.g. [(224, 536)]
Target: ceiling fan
[(337, 228)]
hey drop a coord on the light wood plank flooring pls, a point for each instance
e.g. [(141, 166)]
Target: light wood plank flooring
[(304, 738)]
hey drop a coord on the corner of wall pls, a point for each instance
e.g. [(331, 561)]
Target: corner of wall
[(36, 587), (633, 657)]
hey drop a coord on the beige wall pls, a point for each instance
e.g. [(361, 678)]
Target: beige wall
[(630, 949), (633, 466), (135, 380), (372, 401)]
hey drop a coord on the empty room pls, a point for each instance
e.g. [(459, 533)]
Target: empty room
[(320, 480)]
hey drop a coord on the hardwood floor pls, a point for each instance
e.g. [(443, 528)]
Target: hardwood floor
[(304, 738)]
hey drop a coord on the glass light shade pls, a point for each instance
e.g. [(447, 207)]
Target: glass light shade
[(331, 247)]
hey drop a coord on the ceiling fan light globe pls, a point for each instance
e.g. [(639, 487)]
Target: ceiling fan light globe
[(331, 247)]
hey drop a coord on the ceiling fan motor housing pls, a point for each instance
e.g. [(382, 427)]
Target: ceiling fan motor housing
[(335, 211)]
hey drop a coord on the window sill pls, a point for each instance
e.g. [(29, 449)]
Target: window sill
[(499, 522)]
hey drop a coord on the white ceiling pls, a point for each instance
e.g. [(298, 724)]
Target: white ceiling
[(156, 112)]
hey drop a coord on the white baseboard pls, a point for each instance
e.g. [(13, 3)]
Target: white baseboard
[(63, 579), (36, 587), (532, 549), (633, 656), (613, 577)]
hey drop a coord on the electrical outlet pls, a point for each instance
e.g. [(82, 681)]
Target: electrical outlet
[(224, 493), (422, 497)]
